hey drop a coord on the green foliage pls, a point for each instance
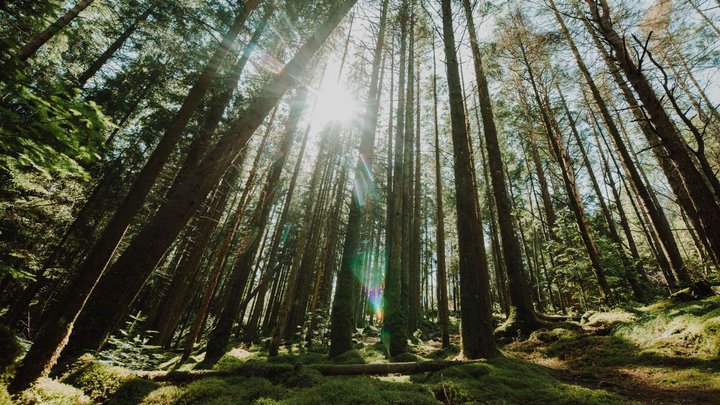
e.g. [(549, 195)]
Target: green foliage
[(10, 348), (51, 129), (130, 347), (50, 392), (49, 138)]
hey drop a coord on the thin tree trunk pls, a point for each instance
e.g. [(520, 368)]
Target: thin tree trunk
[(442, 292), (114, 47), (31, 48), (630, 276), (341, 319), (666, 164)]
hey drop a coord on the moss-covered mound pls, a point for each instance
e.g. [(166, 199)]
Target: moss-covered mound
[(667, 352), (4, 396), (50, 392), (688, 329), (107, 383)]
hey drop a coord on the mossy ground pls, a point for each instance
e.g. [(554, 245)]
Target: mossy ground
[(664, 353)]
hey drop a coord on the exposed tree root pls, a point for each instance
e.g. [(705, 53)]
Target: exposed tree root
[(516, 328), (557, 318)]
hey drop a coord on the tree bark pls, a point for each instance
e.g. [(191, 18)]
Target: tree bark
[(341, 326), (395, 317), (522, 314), (442, 293), (475, 313)]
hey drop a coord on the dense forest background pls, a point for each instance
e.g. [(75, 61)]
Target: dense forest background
[(420, 184)]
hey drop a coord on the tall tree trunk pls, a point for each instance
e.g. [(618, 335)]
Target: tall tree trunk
[(522, 314), (407, 172), (341, 327), (415, 308), (475, 281), (395, 317)]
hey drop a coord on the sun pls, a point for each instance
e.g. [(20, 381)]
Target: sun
[(335, 103)]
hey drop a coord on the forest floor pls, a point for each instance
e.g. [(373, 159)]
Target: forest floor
[(666, 353)]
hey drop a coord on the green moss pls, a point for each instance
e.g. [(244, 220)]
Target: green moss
[(163, 396), (507, 380), (231, 390), (362, 391), (406, 357), (4, 396), (102, 382), (690, 329), (302, 377), (608, 320), (50, 392), (591, 350), (349, 357), (445, 353)]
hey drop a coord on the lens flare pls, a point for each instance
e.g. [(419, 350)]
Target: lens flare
[(368, 269)]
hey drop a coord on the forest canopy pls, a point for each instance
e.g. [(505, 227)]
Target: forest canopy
[(373, 201)]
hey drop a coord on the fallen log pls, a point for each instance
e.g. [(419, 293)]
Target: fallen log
[(268, 370)]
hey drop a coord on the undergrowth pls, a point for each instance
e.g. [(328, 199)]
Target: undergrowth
[(671, 344)]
